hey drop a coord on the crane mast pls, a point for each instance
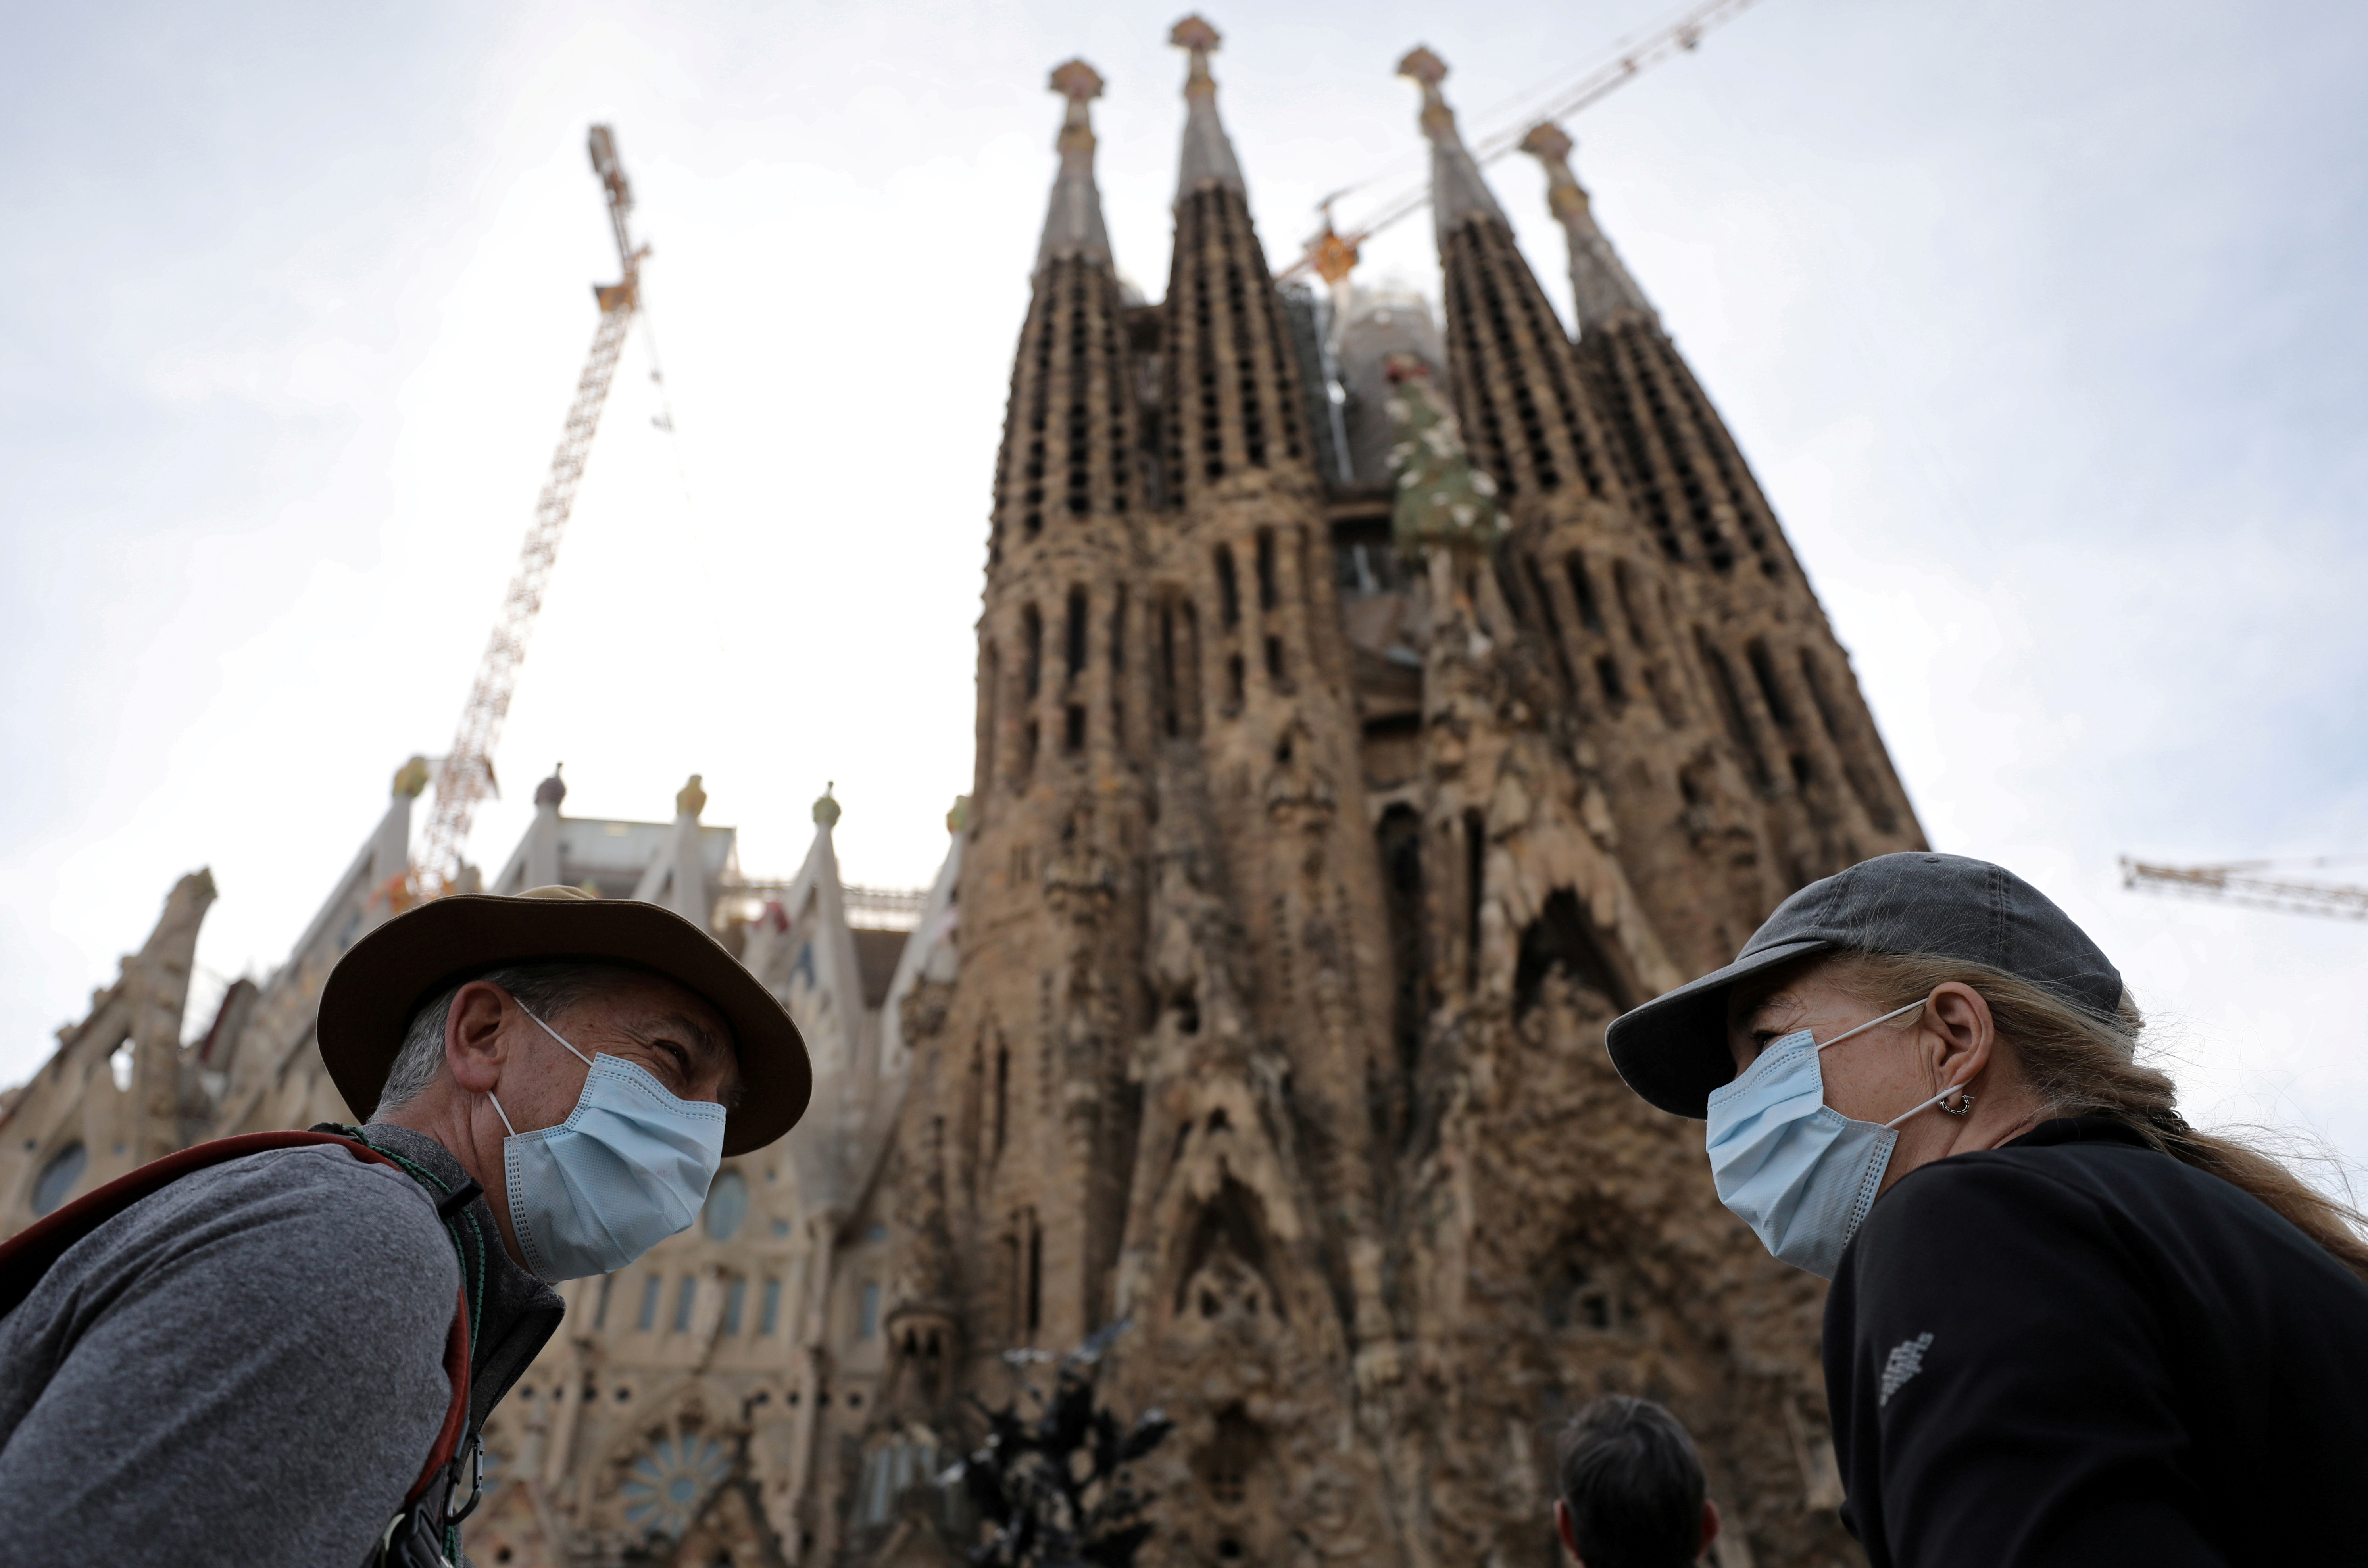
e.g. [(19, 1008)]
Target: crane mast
[(466, 773)]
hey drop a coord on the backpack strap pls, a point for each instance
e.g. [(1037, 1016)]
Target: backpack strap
[(28, 1254), (425, 1533)]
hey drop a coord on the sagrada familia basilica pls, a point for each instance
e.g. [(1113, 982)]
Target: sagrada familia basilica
[(1369, 708)]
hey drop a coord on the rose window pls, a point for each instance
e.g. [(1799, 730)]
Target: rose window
[(663, 1489)]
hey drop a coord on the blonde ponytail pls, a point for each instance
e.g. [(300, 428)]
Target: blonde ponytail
[(2080, 1065)]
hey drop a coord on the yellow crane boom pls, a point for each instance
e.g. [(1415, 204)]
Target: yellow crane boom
[(466, 772), (2246, 882)]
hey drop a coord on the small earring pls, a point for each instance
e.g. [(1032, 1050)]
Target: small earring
[(1963, 1107)]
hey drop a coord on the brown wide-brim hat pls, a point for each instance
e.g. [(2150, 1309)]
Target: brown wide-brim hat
[(385, 977)]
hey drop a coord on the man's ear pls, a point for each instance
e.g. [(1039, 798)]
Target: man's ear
[(1563, 1528), (1959, 1031), (1710, 1526), (474, 1048)]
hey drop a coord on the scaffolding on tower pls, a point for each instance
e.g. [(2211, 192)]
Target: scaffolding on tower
[(465, 775)]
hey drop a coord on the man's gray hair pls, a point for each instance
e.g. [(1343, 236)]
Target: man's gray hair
[(545, 990)]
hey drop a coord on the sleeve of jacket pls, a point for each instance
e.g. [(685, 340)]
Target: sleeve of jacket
[(2009, 1365)]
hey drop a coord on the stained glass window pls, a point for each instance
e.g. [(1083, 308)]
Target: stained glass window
[(727, 1205), (651, 1286), (665, 1487), (58, 1177)]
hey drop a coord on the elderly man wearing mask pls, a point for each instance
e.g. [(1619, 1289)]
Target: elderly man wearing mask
[(279, 1349)]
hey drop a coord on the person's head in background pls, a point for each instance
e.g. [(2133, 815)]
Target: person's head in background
[(1632, 1488)]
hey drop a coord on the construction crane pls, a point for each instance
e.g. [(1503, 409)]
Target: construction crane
[(465, 775), (2250, 883), (1331, 255)]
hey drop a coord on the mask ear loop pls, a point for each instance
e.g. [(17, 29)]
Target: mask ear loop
[(553, 1034), (1895, 1012), (1964, 1108), (562, 1038)]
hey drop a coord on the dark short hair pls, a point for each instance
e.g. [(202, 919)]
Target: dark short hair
[(1634, 1484)]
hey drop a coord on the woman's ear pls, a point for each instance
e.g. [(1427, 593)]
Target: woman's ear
[(1958, 1030), (1710, 1526), (1569, 1536), (474, 1048)]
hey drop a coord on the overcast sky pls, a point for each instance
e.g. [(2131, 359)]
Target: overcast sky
[(2040, 322)]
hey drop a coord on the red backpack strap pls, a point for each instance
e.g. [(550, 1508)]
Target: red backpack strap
[(28, 1254), (456, 1415), (31, 1252)]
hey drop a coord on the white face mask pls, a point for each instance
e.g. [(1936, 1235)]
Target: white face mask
[(628, 1168), (1798, 1171)]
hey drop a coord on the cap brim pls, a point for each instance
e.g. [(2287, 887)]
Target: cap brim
[(383, 978), (1672, 1050)]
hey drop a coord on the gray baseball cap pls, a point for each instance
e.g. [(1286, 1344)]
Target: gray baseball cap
[(1673, 1050)]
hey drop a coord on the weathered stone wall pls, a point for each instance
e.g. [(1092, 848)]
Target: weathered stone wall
[(119, 1091)]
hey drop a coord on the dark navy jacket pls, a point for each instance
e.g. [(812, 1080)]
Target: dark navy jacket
[(2075, 1350)]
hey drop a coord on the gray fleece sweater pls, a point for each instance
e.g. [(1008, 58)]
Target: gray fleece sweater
[(248, 1367)]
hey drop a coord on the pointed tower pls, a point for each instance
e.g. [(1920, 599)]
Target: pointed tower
[(1251, 1263), (1147, 1094), (1515, 387), (1019, 1118), (1580, 830), (1257, 696), (1232, 391), (1586, 599), (1779, 682), (1600, 286), (1068, 436)]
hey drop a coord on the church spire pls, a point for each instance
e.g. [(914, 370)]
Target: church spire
[(1457, 191), (1072, 227), (1599, 285), (1069, 432), (1208, 152), (1688, 481), (1517, 386), (1232, 393)]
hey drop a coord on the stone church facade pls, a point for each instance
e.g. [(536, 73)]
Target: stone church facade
[(1344, 764), (1369, 708)]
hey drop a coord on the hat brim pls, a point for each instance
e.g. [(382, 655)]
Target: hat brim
[(382, 979), (1672, 1050)]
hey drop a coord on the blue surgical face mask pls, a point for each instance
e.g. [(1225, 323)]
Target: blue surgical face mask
[(628, 1168), (1798, 1171)]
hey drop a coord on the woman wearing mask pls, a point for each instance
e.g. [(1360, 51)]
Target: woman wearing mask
[(2065, 1327)]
